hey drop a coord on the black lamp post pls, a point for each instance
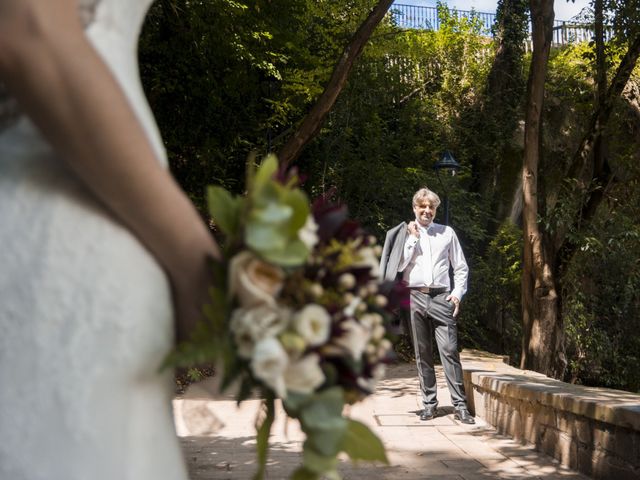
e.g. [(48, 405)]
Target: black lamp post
[(449, 165)]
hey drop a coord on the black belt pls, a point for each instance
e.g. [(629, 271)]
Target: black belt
[(431, 290)]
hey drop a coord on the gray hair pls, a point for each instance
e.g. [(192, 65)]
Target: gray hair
[(426, 194)]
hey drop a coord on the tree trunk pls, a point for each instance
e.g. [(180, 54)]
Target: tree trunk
[(543, 339), (599, 147), (312, 122)]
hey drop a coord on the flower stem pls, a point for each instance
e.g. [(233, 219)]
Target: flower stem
[(263, 426)]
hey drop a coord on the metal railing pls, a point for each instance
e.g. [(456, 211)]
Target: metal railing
[(426, 18)]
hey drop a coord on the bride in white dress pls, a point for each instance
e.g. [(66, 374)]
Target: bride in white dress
[(96, 240)]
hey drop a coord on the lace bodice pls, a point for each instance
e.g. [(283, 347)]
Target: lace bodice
[(9, 109)]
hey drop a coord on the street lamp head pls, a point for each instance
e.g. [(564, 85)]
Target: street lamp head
[(447, 163)]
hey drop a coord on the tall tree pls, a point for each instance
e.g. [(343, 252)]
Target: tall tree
[(589, 177), (542, 348)]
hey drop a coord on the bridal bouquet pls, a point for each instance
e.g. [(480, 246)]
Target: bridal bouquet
[(296, 315)]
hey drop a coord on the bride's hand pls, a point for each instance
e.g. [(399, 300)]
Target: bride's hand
[(190, 289)]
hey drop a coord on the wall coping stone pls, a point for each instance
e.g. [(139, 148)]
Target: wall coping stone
[(491, 372)]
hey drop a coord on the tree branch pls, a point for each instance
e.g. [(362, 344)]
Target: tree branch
[(315, 118)]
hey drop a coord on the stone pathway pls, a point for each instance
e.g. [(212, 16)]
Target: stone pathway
[(218, 439)]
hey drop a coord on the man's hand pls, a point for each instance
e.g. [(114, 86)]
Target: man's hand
[(413, 229), (456, 301)]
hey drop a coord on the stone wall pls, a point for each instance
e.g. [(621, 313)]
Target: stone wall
[(593, 430)]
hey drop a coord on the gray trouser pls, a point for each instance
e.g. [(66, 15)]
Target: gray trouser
[(429, 313)]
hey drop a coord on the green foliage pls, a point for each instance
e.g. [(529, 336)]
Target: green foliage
[(399, 110), (491, 317), (227, 77), (262, 437), (360, 443), (602, 303)]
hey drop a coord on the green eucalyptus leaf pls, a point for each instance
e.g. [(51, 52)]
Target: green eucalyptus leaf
[(321, 419), (224, 209), (299, 202), (295, 402), (323, 406), (328, 440), (263, 237), (292, 254), (266, 170), (360, 443), (274, 213), (318, 463)]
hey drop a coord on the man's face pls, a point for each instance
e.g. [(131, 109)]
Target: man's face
[(425, 212)]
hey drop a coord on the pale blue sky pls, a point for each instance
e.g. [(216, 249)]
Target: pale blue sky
[(564, 10)]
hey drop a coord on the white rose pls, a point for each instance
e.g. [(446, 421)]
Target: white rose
[(369, 321), (304, 375), (308, 233), (354, 338), (254, 281), (350, 310), (313, 323), (269, 363), (249, 325), (368, 258)]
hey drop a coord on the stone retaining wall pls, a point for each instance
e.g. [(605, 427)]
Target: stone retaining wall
[(593, 430)]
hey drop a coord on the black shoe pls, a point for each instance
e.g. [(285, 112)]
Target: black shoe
[(428, 413), (463, 415)]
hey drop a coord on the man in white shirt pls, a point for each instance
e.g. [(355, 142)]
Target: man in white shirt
[(429, 250)]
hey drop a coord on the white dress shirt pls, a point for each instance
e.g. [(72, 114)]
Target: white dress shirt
[(426, 260)]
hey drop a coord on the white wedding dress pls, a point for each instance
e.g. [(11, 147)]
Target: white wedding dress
[(85, 311)]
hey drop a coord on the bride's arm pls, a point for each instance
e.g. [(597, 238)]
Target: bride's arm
[(61, 83)]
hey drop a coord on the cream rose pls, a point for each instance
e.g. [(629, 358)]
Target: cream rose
[(354, 338), (304, 375), (254, 281), (313, 323), (269, 363), (308, 233), (368, 258), (250, 325)]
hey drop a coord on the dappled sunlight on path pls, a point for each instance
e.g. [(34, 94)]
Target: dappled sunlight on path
[(441, 448)]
